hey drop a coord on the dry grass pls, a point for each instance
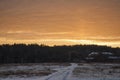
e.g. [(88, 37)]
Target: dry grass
[(97, 70), (29, 69), (28, 73), (33, 64), (116, 67)]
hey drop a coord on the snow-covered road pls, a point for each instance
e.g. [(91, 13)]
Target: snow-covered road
[(62, 74)]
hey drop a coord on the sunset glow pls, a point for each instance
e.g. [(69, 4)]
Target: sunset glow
[(60, 22)]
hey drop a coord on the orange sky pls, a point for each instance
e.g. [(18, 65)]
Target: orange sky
[(58, 22)]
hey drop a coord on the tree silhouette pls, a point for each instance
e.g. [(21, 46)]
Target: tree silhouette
[(34, 53)]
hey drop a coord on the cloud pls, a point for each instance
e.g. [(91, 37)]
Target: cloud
[(60, 21), (105, 39), (59, 36), (35, 32), (26, 35), (52, 42)]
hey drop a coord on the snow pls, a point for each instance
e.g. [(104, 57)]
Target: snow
[(75, 71), (61, 74), (104, 53), (56, 78), (107, 53), (97, 71), (93, 53), (114, 57), (34, 67)]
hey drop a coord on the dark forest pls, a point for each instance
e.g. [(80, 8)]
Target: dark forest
[(34, 53)]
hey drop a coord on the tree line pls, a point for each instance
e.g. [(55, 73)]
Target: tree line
[(34, 53)]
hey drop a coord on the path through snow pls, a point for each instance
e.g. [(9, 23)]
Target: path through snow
[(66, 73), (62, 74)]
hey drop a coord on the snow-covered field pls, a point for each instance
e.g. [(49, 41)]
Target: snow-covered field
[(97, 71), (60, 71)]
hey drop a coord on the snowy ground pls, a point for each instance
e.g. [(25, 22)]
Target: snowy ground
[(55, 71), (97, 71)]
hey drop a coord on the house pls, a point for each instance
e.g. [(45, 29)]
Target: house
[(102, 57)]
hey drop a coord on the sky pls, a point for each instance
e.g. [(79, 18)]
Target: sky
[(60, 22)]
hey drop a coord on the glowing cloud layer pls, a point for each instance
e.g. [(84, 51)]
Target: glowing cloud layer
[(58, 22)]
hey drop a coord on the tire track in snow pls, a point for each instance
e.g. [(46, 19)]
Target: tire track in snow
[(54, 74), (65, 77), (62, 74)]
